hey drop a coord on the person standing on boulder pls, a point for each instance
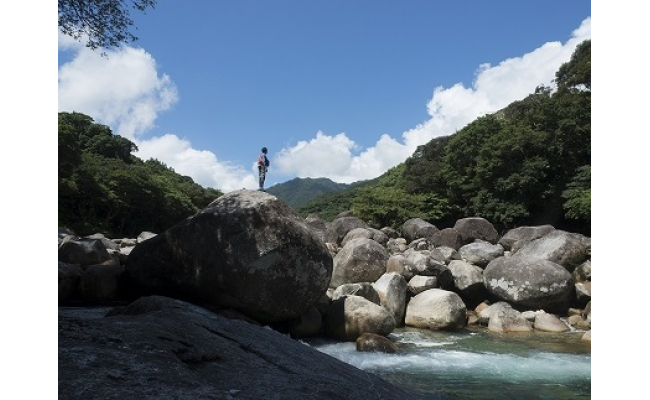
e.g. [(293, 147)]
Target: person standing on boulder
[(262, 166)]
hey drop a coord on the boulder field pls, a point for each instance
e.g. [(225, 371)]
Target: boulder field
[(212, 307)]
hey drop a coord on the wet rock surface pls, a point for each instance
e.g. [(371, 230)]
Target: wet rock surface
[(158, 347)]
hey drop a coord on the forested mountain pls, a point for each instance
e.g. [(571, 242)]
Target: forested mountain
[(299, 191), (329, 205), (103, 188), (527, 164)]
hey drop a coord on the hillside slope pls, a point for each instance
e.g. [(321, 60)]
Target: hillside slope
[(300, 191)]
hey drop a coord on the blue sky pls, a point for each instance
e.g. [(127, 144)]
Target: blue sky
[(337, 89)]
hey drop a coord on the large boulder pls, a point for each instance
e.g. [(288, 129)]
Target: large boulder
[(360, 260), (480, 253), (445, 254), (436, 309), (108, 243), (372, 342), (398, 245), (420, 283), (390, 232), (473, 228), (564, 248), (416, 228), (392, 288), (83, 251), (160, 348), (356, 233), (350, 316), (379, 236), (468, 281), (69, 277), (337, 229), (503, 318), (549, 323), (448, 237), (583, 292), (102, 283), (247, 251), (398, 263), (530, 283), (582, 272), (524, 234), (422, 263), (363, 289), (318, 225)]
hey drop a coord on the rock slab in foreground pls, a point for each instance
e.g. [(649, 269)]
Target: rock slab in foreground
[(247, 250), (158, 347)]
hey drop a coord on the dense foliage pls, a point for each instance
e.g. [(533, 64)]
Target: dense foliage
[(101, 23), (104, 188), (299, 191), (331, 204), (385, 202), (527, 164)]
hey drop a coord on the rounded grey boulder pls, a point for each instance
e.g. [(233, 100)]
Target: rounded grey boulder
[(530, 283), (247, 250)]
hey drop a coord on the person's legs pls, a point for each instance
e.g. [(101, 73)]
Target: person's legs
[(262, 177)]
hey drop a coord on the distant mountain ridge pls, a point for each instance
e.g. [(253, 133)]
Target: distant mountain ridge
[(299, 191)]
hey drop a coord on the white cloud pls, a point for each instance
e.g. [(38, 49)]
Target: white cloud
[(322, 156), (450, 110), (66, 42), (122, 90), (201, 165)]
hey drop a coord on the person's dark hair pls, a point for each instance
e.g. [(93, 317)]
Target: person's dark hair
[(264, 150)]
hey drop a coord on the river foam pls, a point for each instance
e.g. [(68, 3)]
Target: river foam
[(468, 364)]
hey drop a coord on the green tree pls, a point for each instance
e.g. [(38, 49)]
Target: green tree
[(576, 74), (461, 157), (95, 138), (385, 202), (111, 146), (69, 150), (578, 195), (108, 190), (391, 206), (423, 170), (102, 23), (511, 176)]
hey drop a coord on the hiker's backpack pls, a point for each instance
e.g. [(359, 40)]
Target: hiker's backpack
[(263, 160)]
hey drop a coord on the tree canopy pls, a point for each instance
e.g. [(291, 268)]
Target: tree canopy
[(104, 188), (101, 23)]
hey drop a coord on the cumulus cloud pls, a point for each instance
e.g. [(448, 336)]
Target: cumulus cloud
[(315, 156), (201, 165), (450, 110), (125, 91)]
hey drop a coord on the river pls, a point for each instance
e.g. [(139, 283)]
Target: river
[(476, 364)]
